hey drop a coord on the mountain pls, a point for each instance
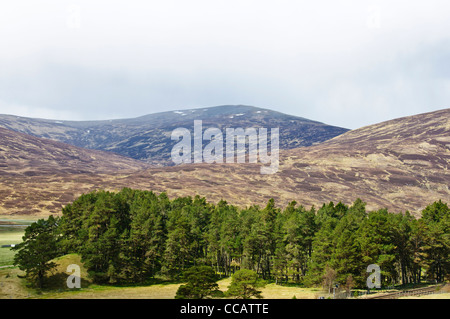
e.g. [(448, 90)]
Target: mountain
[(148, 138), (25, 155), (399, 164), (39, 175), (402, 164)]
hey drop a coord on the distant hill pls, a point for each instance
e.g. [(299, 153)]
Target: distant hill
[(402, 164), (399, 164), (38, 176), (25, 155), (148, 138)]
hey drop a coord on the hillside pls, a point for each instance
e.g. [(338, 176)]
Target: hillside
[(26, 155), (38, 175), (401, 164), (148, 138)]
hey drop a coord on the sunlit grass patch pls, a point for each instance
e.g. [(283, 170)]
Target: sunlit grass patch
[(9, 236)]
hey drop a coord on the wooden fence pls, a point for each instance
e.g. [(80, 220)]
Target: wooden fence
[(409, 293)]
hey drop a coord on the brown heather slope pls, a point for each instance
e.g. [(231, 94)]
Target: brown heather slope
[(26, 155), (401, 165), (38, 176)]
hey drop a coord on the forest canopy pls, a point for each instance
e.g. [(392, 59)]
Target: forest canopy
[(133, 235)]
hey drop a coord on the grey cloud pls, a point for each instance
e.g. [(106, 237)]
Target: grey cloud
[(318, 61)]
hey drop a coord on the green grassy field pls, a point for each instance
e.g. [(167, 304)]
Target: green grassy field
[(8, 236)]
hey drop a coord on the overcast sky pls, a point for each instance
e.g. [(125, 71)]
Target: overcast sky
[(347, 63)]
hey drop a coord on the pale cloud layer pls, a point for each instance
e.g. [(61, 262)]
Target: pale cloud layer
[(348, 63)]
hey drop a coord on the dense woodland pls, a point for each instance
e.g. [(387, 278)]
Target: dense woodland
[(133, 235)]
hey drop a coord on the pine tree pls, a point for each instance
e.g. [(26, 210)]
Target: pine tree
[(436, 248), (39, 246), (200, 283), (376, 243), (245, 284)]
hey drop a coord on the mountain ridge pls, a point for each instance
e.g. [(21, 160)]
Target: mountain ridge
[(401, 164), (25, 154), (147, 138)]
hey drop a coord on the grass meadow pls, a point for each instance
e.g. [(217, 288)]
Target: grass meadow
[(11, 232)]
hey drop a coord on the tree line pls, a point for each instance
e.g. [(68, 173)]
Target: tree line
[(133, 235)]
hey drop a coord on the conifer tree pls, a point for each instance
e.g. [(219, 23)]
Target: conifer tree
[(200, 283), (245, 284), (39, 246)]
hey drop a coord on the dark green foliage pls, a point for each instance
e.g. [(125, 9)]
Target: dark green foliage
[(245, 284), (39, 247), (132, 235), (375, 239), (201, 283), (435, 251)]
